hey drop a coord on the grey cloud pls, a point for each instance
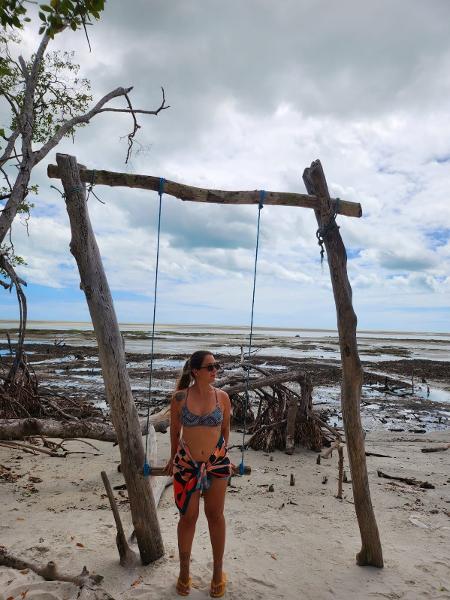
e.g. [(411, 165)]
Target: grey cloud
[(262, 53)]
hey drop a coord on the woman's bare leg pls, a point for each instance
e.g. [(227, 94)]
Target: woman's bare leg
[(214, 505), (186, 530)]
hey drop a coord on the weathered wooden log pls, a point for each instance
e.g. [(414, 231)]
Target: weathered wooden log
[(195, 194), (270, 380), (18, 429), (352, 376), (112, 359)]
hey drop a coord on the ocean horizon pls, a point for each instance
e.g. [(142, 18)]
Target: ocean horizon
[(224, 328)]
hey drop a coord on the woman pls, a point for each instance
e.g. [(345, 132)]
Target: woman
[(199, 431)]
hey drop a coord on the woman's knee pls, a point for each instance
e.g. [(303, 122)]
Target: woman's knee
[(213, 514)]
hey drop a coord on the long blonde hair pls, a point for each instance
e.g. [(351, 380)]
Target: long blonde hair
[(193, 362)]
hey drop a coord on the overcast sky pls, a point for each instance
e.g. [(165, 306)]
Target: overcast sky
[(258, 90)]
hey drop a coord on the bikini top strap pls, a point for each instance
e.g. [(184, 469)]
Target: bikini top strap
[(217, 399), (187, 394)]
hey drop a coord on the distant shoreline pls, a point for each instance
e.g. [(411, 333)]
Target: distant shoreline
[(86, 325)]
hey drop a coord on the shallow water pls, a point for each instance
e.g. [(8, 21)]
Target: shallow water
[(175, 339)]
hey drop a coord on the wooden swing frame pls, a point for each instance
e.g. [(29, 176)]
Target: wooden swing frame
[(124, 415)]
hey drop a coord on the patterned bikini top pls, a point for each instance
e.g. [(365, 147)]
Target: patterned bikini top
[(212, 419)]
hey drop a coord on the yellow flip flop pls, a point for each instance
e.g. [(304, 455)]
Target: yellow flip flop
[(184, 587), (218, 589)]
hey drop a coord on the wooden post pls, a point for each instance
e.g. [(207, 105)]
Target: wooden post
[(371, 552), (290, 425), (112, 359)]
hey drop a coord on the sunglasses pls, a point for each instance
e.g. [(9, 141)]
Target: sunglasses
[(211, 367)]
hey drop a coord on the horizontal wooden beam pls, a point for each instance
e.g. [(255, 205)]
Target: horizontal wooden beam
[(196, 194)]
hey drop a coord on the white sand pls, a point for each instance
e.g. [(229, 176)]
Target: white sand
[(295, 542)]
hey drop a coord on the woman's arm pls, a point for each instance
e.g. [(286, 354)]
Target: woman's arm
[(175, 422), (226, 405), (175, 426)]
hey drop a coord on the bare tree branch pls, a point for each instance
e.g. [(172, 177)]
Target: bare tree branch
[(137, 111), (98, 108), (9, 146), (68, 125), (10, 101)]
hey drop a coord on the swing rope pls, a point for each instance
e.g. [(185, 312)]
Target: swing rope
[(147, 467), (262, 195)]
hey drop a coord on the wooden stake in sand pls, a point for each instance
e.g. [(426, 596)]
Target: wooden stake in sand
[(127, 556)]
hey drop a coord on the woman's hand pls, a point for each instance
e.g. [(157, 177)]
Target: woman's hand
[(168, 469)]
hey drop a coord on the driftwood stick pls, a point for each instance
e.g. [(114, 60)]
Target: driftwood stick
[(407, 480), (126, 554), (22, 445), (270, 426), (58, 410), (290, 427), (379, 455), (341, 471), (49, 571), (331, 429), (195, 194), (329, 451)]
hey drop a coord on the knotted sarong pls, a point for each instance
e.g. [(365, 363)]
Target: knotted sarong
[(190, 475)]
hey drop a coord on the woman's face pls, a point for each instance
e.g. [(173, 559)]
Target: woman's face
[(208, 370)]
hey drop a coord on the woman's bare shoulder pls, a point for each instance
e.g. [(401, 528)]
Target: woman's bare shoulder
[(223, 396)]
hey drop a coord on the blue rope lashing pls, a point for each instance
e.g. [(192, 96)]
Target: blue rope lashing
[(147, 467), (262, 195)]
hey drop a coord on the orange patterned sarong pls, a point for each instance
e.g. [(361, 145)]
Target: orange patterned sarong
[(190, 475)]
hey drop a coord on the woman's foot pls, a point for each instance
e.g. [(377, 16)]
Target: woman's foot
[(218, 589), (183, 587)]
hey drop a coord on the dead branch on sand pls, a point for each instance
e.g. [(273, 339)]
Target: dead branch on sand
[(87, 583)]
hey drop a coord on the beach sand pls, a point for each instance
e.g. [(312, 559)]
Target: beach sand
[(295, 542)]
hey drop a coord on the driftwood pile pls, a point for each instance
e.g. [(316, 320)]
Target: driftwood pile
[(279, 412), (23, 397)]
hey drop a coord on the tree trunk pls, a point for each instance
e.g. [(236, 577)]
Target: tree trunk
[(371, 552), (112, 359)]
